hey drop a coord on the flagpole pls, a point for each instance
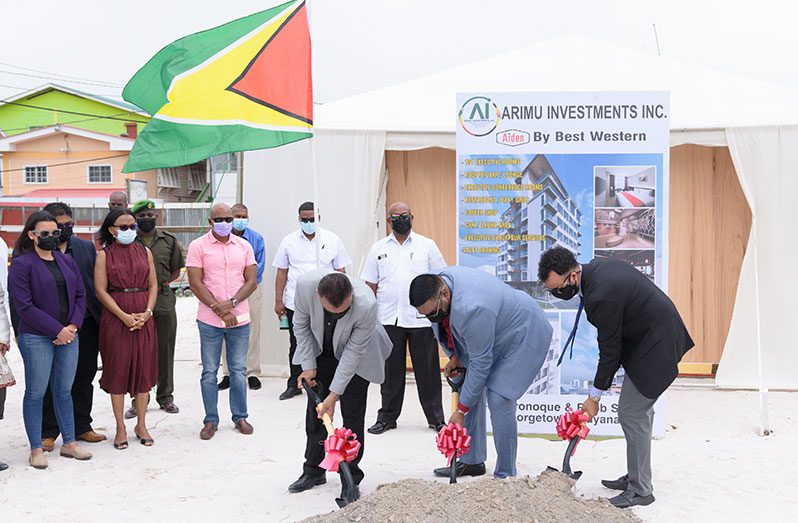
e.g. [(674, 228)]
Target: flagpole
[(313, 171), (316, 213)]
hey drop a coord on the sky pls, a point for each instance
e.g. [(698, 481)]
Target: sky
[(360, 45)]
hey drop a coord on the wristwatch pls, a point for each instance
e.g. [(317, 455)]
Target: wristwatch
[(234, 302)]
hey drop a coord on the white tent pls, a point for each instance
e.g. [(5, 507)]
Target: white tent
[(754, 119)]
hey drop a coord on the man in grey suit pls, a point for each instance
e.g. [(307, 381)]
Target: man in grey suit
[(501, 336), (340, 343)]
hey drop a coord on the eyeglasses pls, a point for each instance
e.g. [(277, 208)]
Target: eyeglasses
[(125, 227), (420, 316), (46, 234), (400, 216), (226, 219), (307, 220)]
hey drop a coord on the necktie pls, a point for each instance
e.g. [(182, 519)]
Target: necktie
[(448, 330), (572, 336)]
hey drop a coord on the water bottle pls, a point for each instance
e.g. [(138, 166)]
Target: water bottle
[(284, 322)]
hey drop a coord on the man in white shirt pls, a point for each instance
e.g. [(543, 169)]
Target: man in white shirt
[(390, 266), (295, 256)]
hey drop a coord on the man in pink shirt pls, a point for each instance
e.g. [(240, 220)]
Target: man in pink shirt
[(222, 273)]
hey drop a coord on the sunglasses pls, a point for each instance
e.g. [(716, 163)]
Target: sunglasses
[(402, 216), (46, 234), (307, 220), (132, 227), (227, 219), (66, 225)]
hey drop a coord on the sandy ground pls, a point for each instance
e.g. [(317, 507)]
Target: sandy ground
[(711, 466)]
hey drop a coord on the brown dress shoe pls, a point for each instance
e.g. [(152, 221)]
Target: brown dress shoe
[(244, 427), (91, 437), (170, 408), (208, 431), (48, 444)]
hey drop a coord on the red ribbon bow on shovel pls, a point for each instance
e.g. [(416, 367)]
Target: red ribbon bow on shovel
[(341, 445), (453, 440), (572, 424)]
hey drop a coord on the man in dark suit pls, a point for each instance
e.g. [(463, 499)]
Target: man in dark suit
[(640, 329), (84, 253)]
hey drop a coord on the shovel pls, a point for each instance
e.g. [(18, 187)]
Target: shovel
[(348, 482), (455, 385), (570, 427)]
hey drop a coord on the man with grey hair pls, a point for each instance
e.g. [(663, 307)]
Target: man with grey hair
[(117, 200)]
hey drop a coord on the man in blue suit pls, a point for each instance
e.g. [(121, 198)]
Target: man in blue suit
[(501, 336)]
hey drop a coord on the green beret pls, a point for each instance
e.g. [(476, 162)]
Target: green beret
[(142, 205)]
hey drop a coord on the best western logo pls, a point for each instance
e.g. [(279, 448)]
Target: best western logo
[(512, 137)]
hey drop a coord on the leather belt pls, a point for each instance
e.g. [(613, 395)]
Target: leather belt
[(129, 289)]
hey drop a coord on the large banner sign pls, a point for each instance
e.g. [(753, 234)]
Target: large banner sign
[(584, 171)]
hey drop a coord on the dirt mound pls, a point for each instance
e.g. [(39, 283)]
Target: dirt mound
[(547, 498)]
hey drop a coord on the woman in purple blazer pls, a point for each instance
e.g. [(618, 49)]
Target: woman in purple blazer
[(49, 296)]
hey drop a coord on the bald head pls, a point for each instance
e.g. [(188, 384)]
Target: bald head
[(221, 221), (401, 220), (398, 208), (117, 200), (221, 210)]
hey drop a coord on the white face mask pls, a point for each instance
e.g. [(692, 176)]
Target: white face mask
[(126, 237)]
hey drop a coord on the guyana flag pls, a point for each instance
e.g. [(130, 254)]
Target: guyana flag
[(243, 85)]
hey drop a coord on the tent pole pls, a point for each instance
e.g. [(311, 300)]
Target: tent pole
[(763, 391), (315, 198)]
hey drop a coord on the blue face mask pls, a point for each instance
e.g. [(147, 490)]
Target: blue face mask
[(240, 224), (126, 237), (308, 227)]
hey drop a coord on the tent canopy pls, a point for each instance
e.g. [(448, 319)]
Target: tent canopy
[(701, 98)]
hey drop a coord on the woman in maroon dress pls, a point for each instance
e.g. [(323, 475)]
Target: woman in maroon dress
[(124, 277)]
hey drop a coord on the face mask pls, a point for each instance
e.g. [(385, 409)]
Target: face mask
[(401, 225), (338, 315), (66, 233), (567, 292), (439, 315), (48, 244), (240, 224), (126, 237), (308, 227), (223, 229), (146, 224)]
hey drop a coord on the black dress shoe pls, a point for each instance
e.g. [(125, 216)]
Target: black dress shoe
[(621, 483), (3, 466), (254, 383), (380, 427), (306, 482), (462, 469), (437, 426), (630, 499), (289, 393), (225, 383)]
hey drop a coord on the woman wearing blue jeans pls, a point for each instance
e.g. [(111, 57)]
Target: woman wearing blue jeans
[(48, 293)]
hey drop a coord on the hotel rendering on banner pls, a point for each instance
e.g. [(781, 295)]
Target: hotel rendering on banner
[(585, 171)]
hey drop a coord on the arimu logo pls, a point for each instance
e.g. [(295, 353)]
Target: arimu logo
[(479, 116)]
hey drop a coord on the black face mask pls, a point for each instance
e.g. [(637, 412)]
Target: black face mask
[(337, 315), (48, 244), (566, 293), (145, 224), (439, 315), (401, 225), (66, 234)]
